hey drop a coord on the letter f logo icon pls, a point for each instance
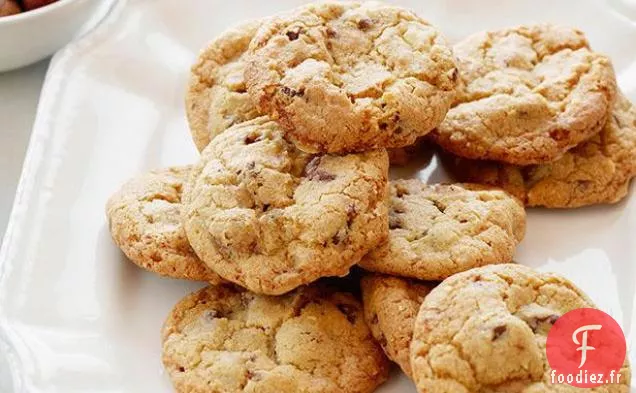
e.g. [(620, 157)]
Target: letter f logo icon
[(584, 347)]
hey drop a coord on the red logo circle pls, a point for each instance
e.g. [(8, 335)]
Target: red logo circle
[(586, 348)]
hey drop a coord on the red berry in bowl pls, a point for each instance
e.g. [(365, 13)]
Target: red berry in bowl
[(33, 4)]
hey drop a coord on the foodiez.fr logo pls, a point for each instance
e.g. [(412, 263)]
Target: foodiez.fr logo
[(586, 348)]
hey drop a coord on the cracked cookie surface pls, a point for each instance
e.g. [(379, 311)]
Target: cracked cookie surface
[(594, 172), (438, 230), (345, 76), (485, 331), (269, 217), (144, 219), (312, 340), (528, 95), (217, 96), (391, 305)]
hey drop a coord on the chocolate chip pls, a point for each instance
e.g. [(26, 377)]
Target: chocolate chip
[(439, 206), (551, 319), (559, 134), (383, 126), (349, 311), (395, 222), (364, 24), (251, 165), (181, 369), (312, 172), (498, 331), (584, 184), (321, 175), (352, 213), (288, 91), (313, 164), (265, 207), (249, 139), (331, 33), (293, 34), (535, 322), (454, 75), (396, 116), (254, 375), (212, 314)]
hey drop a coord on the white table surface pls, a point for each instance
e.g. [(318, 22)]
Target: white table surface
[(19, 94)]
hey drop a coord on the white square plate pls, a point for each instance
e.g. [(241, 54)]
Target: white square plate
[(75, 317)]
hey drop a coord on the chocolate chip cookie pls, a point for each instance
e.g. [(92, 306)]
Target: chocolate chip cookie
[(144, 218), (529, 94), (391, 305), (348, 76), (217, 96), (438, 230), (312, 340), (485, 330), (594, 172), (269, 217)]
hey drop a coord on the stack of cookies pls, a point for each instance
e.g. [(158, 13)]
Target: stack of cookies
[(539, 114), (293, 116)]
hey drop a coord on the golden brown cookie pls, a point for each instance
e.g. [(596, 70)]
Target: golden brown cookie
[(348, 76), (269, 217), (439, 230), (485, 330), (594, 172), (144, 218), (312, 340), (391, 305), (529, 94), (217, 97)]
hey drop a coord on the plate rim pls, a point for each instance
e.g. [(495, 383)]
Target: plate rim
[(36, 147)]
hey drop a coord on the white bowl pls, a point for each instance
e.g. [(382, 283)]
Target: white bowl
[(33, 35)]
